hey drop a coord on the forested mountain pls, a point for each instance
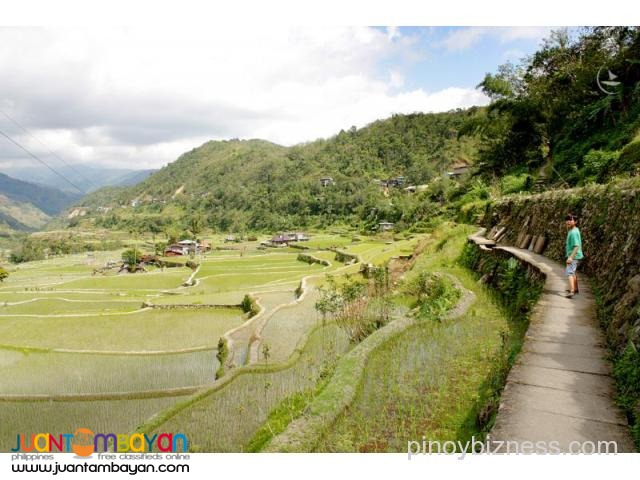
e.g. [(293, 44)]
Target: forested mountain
[(254, 184)]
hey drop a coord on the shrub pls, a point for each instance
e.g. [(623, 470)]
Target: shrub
[(597, 163), (434, 294), (249, 306), (515, 183), (131, 257), (191, 264), (222, 355), (359, 308), (629, 158), (310, 259), (627, 374)]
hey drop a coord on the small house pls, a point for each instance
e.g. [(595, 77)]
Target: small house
[(385, 226), (327, 181), (458, 168), (175, 250), (297, 237), (280, 239), (190, 246), (391, 182)]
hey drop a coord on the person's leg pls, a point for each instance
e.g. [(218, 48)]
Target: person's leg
[(571, 276)]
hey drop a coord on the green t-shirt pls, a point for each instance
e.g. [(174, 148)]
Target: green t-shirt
[(573, 239)]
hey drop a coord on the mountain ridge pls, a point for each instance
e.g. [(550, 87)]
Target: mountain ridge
[(257, 184)]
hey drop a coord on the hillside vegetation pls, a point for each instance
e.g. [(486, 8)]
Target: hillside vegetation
[(255, 185), (570, 114)]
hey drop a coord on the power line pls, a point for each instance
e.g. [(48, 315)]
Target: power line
[(50, 151), (42, 162)]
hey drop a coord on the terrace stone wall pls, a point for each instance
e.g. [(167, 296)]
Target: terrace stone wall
[(188, 306), (609, 222)]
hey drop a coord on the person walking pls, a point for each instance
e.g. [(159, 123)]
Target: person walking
[(573, 250)]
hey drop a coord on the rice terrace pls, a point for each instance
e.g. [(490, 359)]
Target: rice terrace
[(115, 351), (465, 275), (237, 347)]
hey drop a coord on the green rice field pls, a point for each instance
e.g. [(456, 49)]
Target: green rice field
[(83, 347)]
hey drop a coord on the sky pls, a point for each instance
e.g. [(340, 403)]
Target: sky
[(132, 97)]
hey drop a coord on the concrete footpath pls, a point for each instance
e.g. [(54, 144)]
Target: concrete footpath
[(560, 389)]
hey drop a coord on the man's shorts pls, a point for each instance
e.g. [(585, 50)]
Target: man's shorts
[(571, 268)]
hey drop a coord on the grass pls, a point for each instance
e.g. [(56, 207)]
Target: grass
[(67, 373), (435, 379), (225, 419), (117, 416), (142, 331), (426, 381), (287, 410), (286, 327), (157, 280), (58, 304), (321, 241)]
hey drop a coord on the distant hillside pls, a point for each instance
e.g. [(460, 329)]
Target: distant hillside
[(88, 178), (130, 178), (256, 184), (8, 223), (16, 215), (50, 200)]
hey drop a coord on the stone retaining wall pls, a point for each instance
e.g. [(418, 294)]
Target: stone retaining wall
[(609, 222)]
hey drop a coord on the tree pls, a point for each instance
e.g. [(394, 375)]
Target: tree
[(131, 257), (195, 225), (155, 227), (3, 274)]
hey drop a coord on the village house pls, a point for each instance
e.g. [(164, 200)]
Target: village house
[(280, 239), (175, 250), (297, 237), (385, 226), (390, 182), (458, 168), (186, 247), (283, 239), (326, 181)]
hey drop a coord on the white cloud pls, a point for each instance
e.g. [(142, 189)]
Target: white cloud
[(396, 79), (465, 38), (140, 97), (393, 33)]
